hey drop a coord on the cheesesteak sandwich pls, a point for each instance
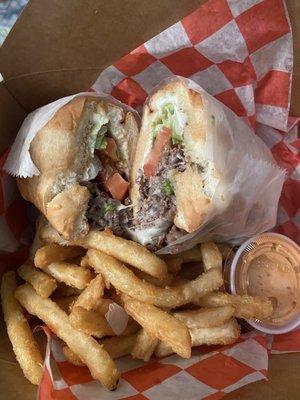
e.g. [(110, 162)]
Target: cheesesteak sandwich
[(195, 168), (199, 170), (84, 155), (175, 181)]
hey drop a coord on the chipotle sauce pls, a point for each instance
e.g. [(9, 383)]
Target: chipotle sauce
[(269, 266)]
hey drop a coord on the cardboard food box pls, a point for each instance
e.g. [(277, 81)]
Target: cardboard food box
[(58, 48)]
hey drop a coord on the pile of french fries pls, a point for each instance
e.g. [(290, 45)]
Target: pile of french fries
[(172, 304)]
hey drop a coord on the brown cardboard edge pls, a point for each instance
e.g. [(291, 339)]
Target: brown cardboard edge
[(11, 117), (283, 381), (79, 49), (34, 45), (284, 369), (50, 86), (34, 48)]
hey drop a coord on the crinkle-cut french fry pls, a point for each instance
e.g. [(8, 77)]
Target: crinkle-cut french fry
[(144, 345), (24, 345), (70, 274), (65, 303), (90, 322), (95, 324), (90, 297), (226, 334), (205, 317), (41, 282), (166, 281), (92, 354), (123, 279), (211, 256), (64, 290), (71, 356), (84, 262), (119, 346), (124, 250), (248, 307), (160, 324), (222, 335), (175, 262), (103, 305), (116, 346), (53, 253), (191, 271)]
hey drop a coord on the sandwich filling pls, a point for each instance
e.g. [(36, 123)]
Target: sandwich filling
[(165, 165), (105, 211), (108, 183), (157, 202)]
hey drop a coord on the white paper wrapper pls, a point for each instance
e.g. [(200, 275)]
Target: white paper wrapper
[(19, 162), (251, 182)]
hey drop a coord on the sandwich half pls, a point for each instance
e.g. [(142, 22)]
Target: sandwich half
[(175, 180), (84, 155)]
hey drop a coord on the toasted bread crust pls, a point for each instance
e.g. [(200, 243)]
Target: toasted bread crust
[(67, 209), (53, 151), (192, 197), (61, 154), (192, 204)]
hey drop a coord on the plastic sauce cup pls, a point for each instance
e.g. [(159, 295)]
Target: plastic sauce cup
[(269, 265)]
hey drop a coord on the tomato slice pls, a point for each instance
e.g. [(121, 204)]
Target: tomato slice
[(112, 149), (117, 186), (162, 139), (109, 177)]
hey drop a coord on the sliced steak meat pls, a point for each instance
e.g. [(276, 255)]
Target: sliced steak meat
[(103, 211), (173, 158), (156, 202)]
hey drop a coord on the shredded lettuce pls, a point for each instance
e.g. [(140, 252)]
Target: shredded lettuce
[(168, 188), (101, 142), (168, 119), (96, 138), (107, 209), (176, 137)]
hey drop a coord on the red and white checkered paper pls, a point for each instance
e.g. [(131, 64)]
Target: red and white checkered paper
[(241, 53), (209, 374)]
